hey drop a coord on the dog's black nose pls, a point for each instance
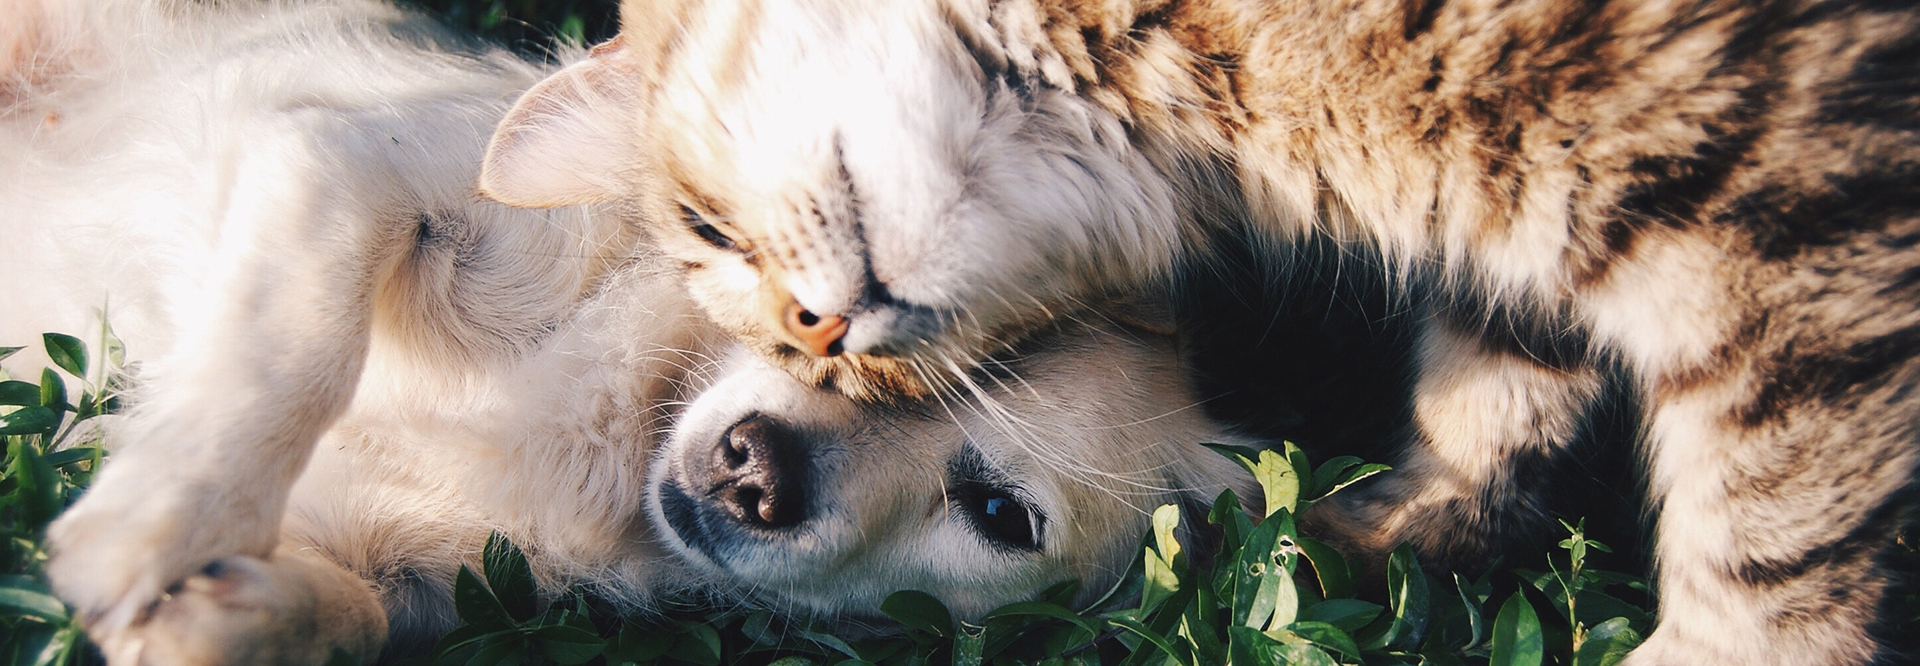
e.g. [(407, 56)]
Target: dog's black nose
[(759, 473)]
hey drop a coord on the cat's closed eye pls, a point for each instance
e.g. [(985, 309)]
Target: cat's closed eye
[(706, 230)]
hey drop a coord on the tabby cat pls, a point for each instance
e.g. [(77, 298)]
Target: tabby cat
[(1720, 198)]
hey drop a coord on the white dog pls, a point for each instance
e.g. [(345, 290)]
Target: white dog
[(352, 369)]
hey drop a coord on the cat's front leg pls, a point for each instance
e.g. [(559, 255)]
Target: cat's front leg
[(1780, 486), (294, 609), (269, 348), (1485, 416)]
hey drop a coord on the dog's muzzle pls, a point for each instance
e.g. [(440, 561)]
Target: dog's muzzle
[(750, 485)]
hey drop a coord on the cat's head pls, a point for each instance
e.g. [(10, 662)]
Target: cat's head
[(872, 195), (803, 499)]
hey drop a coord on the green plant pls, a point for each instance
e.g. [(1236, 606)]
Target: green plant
[(52, 453)]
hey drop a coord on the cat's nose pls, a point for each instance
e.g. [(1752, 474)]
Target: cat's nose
[(820, 334), (758, 473)]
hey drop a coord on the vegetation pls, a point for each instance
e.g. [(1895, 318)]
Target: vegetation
[(529, 26), (52, 453)]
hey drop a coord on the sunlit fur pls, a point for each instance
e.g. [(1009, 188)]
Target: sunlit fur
[(349, 369), (1717, 197)]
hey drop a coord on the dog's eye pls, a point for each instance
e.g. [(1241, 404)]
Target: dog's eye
[(1003, 518), (707, 232)]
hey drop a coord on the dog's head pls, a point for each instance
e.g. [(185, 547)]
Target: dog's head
[(870, 195), (806, 500)]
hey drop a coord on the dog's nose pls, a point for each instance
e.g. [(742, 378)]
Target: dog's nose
[(759, 473), (820, 333)]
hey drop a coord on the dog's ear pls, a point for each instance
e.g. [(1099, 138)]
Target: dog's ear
[(570, 140)]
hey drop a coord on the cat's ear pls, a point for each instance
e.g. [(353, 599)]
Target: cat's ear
[(571, 139)]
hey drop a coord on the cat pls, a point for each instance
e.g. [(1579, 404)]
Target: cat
[(1717, 198), (351, 370)]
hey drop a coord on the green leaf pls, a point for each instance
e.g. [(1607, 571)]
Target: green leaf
[(569, 645), (1278, 481), (1254, 589), (507, 648), (53, 391), (831, 642), (795, 660), (510, 578), (1327, 636), (1347, 614), (35, 420), (1156, 638), (1044, 609), (700, 645), (1263, 649), (638, 644), (1166, 519), (1244, 455), (14, 392), (1163, 624), (68, 352), (459, 644), (1161, 580), (1516, 635), (59, 648), (112, 347), (1353, 477), (968, 643), (76, 454), (1329, 568), (1476, 620), (919, 610), (1323, 478), (8, 351), (1231, 518), (23, 596), (1596, 607), (1410, 600), (476, 604), (1607, 643), (37, 490)]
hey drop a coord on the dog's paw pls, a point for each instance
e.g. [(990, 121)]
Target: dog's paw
[(289, 611), (144, 527), (112, 559)]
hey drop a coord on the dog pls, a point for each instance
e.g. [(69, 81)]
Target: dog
[(352, 369)]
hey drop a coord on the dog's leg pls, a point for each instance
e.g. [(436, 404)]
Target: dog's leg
[(295, 609), (268, 355), (1485, 416)]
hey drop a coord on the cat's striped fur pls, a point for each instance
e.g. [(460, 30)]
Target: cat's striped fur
[(1720, 197)]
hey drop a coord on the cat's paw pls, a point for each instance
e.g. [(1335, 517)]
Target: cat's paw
[(288, 611)]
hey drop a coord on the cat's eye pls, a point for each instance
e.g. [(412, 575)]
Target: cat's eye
[(706, 231), (1001, 516)]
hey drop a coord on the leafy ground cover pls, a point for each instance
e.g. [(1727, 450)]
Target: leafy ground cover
[(1265, 594)]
